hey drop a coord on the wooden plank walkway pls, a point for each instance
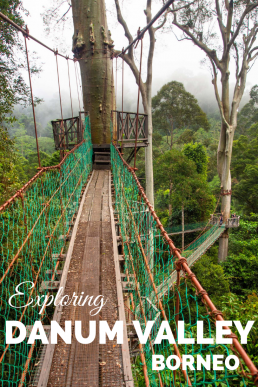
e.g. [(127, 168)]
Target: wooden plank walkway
[(92, 271)]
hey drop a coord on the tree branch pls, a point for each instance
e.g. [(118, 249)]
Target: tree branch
[(163, 22), (61, 18), (239, 25), (215, 84), (128, 60), (252, 58), (151, 50), (125, 27), (254, 49), (237, 60), (229, 21), (210, 53), (221, 25)]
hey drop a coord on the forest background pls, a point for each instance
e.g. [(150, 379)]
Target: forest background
[(185, 143)]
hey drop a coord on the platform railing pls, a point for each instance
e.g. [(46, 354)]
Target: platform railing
[(68, 132), (231, 222), (126, 126)]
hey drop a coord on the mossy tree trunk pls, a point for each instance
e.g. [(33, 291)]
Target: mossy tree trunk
[(92, 46)]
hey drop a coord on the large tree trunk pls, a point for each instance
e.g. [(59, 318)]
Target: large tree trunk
[(224, 161), (92, 46), (149, 161), (223, 165)]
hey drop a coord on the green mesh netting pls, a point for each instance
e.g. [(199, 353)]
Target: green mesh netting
[(190, 226), (34, 228), (141, 238)]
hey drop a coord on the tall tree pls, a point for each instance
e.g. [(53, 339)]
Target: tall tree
[(93, 46), (224, 30), (145, 87), (175, 108)]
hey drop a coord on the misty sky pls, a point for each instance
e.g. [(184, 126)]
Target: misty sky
[(174, 60)]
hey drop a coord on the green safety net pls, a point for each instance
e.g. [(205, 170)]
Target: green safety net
[(147, 255), (187, 227), (207, 236), (35, 227)]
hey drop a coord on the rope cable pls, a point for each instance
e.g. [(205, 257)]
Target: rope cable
[(32, 99), (62, 144), (70, 86)]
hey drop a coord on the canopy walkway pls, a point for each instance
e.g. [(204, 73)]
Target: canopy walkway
[(84, 231), (91, 232), (192, 253)]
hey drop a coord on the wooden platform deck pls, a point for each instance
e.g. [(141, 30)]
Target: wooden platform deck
[(92, 271)]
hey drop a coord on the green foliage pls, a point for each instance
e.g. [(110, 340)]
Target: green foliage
[(212, 277), (246, 191), (244, 309), (241, 266), (242, 271), (13, 88), (26, 121), (11, 84), (245, 171), (179, 184), (198, 154), (175, 108), (11, 171), (249, 113), (53, 160), (23, 133)]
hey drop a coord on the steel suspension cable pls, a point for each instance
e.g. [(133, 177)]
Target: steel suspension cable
[(31, 93), (142, 32), (6, 19), (70, 85), (138, 102), (62, 144)]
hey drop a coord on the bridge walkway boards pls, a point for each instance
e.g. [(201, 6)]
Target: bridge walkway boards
[(91, 271)]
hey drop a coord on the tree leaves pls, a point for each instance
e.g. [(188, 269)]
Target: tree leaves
[(175, 108)]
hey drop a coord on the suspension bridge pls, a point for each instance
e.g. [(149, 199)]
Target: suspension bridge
[(87, 227)]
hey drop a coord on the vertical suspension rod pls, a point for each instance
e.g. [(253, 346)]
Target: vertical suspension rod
[(61, 108), (32, 99), (70, 85)]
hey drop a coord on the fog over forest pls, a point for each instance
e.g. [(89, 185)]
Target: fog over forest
[(199, 85)]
